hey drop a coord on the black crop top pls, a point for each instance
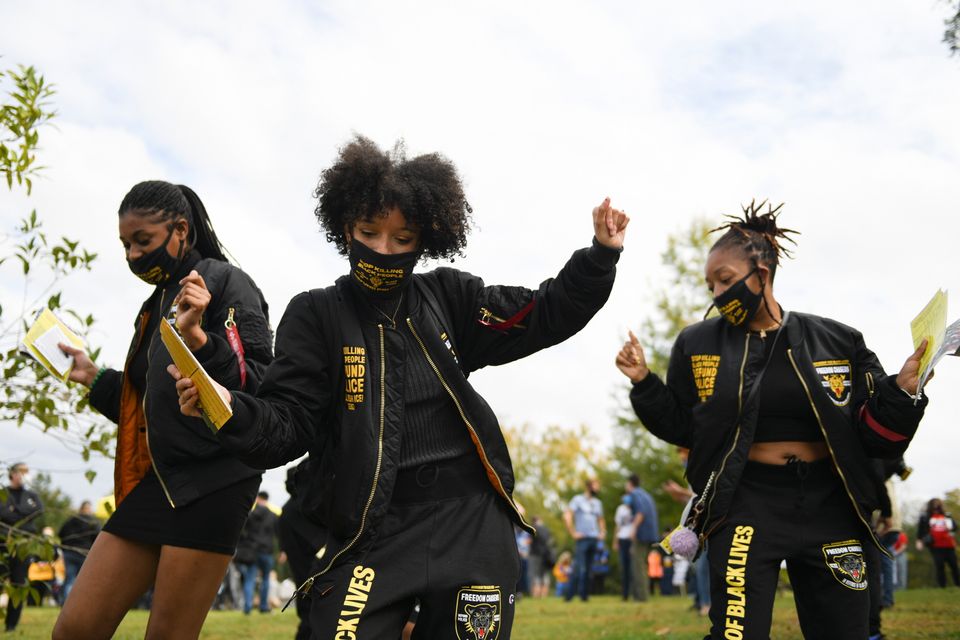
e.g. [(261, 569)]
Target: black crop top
[(785, 412)]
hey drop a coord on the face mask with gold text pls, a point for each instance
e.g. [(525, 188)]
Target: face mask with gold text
[(381, 274)]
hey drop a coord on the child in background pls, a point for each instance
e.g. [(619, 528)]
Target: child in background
[(562, 571)]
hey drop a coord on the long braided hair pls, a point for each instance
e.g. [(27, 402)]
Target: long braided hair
[(757, 235), (175, 202)]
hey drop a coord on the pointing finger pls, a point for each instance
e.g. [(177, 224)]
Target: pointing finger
[(633, 339)]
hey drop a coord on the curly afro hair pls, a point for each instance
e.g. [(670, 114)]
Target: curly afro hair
[(365, 182)]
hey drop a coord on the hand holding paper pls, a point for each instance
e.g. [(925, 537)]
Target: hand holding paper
[(930, 326), (200, 395), (43, 341)]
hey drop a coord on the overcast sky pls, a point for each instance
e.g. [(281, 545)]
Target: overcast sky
[(846, 112)]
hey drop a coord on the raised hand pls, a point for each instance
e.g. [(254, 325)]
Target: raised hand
[(909, 377), (191, 302), (84, 370), (609, 225), (632, 361)]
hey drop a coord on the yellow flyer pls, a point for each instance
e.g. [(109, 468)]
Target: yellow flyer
[(42, 340), (214, 409), (930, 323)]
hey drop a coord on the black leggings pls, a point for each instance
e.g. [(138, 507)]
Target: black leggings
[(799, 513), (943, 558)]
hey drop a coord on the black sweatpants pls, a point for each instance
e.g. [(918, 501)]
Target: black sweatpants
[(800, 513), (942, 558), (456, 554), (299, 538), (15, 571)]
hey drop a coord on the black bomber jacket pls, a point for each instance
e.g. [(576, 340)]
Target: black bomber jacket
[(860, 410), (152, 433), (339, 395)]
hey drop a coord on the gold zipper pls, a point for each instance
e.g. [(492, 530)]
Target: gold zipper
[(823, 430), (308, 583), (736, 437), (143, 405), (456, 401), (488, 315)]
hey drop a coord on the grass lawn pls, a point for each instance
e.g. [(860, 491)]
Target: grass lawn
[(920, 613)]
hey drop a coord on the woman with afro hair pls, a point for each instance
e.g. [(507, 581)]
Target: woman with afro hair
[(408, 470), (781, 412)]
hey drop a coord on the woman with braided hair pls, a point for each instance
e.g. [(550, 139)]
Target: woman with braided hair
[(181, 497), (781, 412)]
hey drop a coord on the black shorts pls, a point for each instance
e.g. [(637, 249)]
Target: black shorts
[(210, 523)]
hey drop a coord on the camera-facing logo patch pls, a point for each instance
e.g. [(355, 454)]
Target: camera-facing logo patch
[(478, 613), (835, 379), (845, 561)]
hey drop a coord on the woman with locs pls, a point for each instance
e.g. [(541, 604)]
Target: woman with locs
[(410, 471), (181, 498), (781, 413)]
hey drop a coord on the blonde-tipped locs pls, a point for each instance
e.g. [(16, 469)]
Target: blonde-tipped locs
[(757, 234)]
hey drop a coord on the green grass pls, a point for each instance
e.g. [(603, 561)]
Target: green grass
[(920, 613)]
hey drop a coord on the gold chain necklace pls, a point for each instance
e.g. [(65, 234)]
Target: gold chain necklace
[(393, 319)]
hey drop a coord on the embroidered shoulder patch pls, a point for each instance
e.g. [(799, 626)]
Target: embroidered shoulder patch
[(836, 380), (845, 561), (705, 369)]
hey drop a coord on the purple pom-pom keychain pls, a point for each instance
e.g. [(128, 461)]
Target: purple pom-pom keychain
[(685, 542)]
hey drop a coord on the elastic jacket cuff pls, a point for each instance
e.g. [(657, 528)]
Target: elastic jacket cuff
[(603, 257)]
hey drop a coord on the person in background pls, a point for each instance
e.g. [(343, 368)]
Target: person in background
[(18, 513), (935, 531), (600, 569), (76, 537), (679, 580), (255, 552), (655, 569), (900, 557), (622, 541), (524, 541), (562, 573), (584, 520), (647, 526), (300, 538), (541, 559)]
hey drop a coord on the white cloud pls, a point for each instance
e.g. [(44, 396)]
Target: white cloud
[(848, 114)]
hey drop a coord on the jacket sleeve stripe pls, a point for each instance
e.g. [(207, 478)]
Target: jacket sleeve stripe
[(869, 420)]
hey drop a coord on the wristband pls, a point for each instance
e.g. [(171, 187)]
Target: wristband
[(97, 377)]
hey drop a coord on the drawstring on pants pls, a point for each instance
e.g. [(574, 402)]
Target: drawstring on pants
[(803, 468)]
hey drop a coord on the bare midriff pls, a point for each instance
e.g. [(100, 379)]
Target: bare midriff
[(782, 452)]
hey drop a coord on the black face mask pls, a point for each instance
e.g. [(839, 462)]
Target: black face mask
[(158, 266), (738, 304), (381, 275)]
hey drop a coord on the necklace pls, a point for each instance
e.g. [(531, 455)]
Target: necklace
[(392, 319)]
